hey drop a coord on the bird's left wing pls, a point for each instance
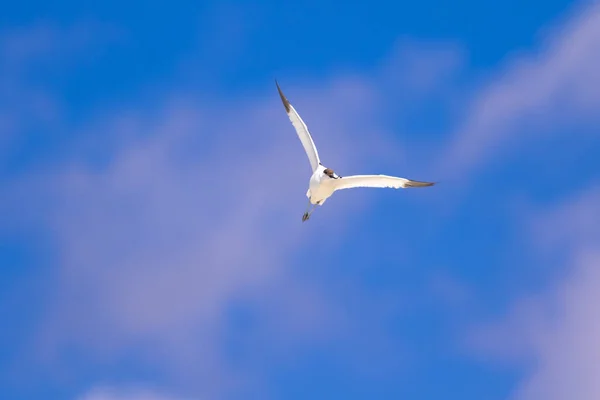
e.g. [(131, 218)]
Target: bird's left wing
[(302, 131), (377, 181)]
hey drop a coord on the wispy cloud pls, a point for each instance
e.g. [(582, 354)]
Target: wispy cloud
[(104, 393), (532, 94), (30, 58), (554, 333)]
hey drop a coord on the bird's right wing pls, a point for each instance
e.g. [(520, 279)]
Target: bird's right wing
[(376, 181), (302, 131)]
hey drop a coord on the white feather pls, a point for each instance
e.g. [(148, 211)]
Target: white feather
[(376, 181), (302, 131)]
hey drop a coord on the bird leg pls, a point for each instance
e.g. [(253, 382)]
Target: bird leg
[(308, 212)]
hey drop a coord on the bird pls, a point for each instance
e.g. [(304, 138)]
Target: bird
[(325, 181)]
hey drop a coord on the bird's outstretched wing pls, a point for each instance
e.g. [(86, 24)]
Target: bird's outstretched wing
[(377, 181), (302, 131)]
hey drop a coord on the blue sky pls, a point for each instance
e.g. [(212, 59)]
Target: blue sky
[(151, 243)]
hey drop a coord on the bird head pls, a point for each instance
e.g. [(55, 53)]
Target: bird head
[(329, 172)]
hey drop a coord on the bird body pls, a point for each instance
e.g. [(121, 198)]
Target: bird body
[(320, 186), (324, 181)]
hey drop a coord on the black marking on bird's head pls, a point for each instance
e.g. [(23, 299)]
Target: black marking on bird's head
[(285, 101), (329, 172)]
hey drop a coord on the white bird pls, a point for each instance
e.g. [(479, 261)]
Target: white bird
[(324, 181)]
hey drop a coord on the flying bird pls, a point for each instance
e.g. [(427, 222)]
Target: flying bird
[(324, 181)]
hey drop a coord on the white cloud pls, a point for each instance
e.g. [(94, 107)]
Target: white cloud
[(556, 333), (532, 94), (28, 103), (105, 393)]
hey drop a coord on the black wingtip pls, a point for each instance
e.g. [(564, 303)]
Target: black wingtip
[(416, 184), (284, 100)]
